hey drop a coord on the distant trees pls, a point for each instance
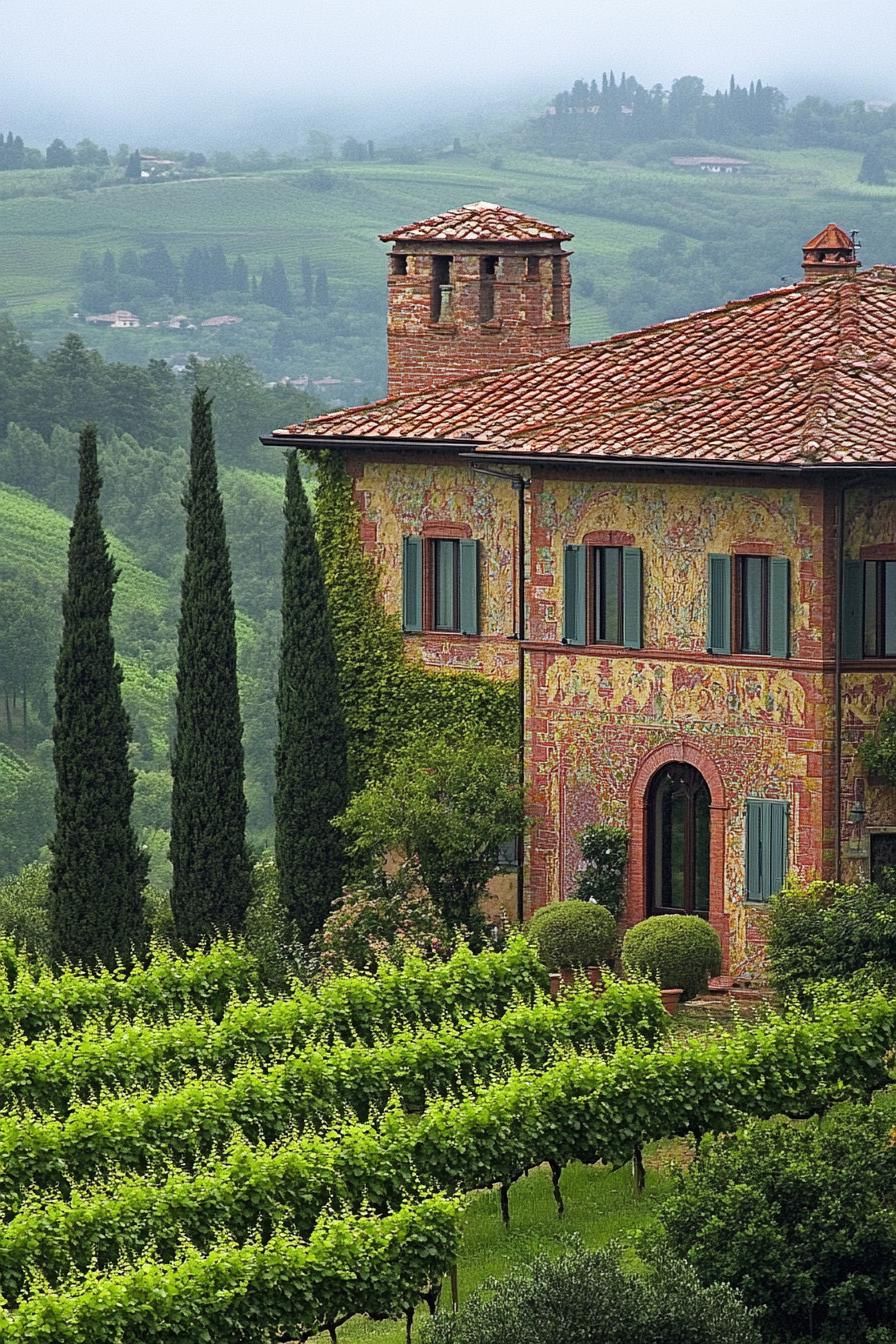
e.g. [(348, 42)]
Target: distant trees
[(592, 117), (59, 155), (12, 151), (97, 871), (873, 169), (274, 288), (211, 872), (26, 650), (132, 277), (311, 770)]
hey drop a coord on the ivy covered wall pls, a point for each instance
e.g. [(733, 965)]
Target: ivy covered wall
[(386, 696)]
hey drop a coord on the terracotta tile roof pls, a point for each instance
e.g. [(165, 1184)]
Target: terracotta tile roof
[(481, 222), (797, 376), (831, 236)]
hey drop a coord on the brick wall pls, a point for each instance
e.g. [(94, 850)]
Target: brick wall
[(530, 304)]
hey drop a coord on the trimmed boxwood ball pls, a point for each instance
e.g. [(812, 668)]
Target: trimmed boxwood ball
[(573, 933), (680, 951)]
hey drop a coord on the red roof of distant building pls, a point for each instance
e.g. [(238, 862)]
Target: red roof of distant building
[(481, 222), (795, 376)]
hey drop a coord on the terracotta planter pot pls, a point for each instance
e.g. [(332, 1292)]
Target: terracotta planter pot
[(671, 999), (566, 978)]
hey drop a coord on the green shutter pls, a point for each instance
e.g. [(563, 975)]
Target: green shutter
[(631, 597), (779, 607), (852, 609), (412, 584), (766, 847), (718, 615), (776, 861), (574, 595), (469, 587), (753, 846)]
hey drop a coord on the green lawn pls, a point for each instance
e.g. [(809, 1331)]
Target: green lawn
[(600, 1205)]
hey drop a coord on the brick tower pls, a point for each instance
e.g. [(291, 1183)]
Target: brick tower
[(475, 289)]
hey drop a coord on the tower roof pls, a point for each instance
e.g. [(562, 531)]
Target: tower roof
[(480, 222), (831, 236)]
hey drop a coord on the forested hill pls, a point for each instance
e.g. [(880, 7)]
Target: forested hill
[(593, 117), (143, 415)]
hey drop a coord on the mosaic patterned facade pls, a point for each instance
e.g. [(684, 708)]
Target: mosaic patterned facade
[(600, 720)]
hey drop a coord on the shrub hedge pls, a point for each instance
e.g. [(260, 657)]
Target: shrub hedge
[(573, 933), (680, 951)]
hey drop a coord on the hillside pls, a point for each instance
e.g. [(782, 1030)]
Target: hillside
[(737, 234), (33, 546)]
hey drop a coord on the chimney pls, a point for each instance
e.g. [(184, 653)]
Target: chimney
[(473, 290), (830, 253)]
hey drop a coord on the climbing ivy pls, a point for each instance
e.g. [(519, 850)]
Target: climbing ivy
[(384, 695)]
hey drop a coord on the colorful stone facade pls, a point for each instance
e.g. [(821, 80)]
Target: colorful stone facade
[(600, 720)]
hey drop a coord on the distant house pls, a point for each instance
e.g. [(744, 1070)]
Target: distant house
[(120, 318), (177, 321), (226, 320), (151, 166), (709, 163)]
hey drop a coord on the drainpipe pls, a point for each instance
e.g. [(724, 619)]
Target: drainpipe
[(520, 484), (838, 678), (838, 675)]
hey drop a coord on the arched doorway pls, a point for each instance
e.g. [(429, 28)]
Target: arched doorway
[(678, 841)]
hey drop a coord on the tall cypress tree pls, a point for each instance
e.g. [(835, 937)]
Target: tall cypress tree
[(311, 771), (98, 871), (211, 882)]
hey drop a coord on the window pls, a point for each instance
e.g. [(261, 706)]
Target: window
[(766, 847), (440, 585), (602, 595), (444, 572), (878, 608), (605, 606), (678, 841), (488, 270), (399, 263), (557, 289), (440, 301), (533, 268), (757, 587)]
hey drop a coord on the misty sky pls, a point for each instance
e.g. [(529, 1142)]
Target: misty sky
[(169, 69)]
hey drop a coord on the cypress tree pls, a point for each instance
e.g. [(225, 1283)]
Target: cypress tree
[(211, 881), (311, 771), (97, 871)]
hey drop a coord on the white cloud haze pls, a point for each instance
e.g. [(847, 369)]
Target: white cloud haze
[(181, 65)]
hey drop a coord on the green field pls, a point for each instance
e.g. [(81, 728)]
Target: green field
[(612, 207)]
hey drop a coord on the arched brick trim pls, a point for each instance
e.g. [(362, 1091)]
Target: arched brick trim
[(447, 531), (684, 750), (608, 539)]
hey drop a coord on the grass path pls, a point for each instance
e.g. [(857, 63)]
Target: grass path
[(600, 1205)]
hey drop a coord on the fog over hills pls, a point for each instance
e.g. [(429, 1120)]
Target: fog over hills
[(269, 72)]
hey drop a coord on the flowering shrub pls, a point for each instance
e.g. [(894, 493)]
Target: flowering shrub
[(605, 851), (383, 919)]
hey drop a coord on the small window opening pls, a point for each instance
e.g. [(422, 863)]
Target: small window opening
[(557, 289), (488, 270), (440, 304), (533, 268), (399, 263)]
